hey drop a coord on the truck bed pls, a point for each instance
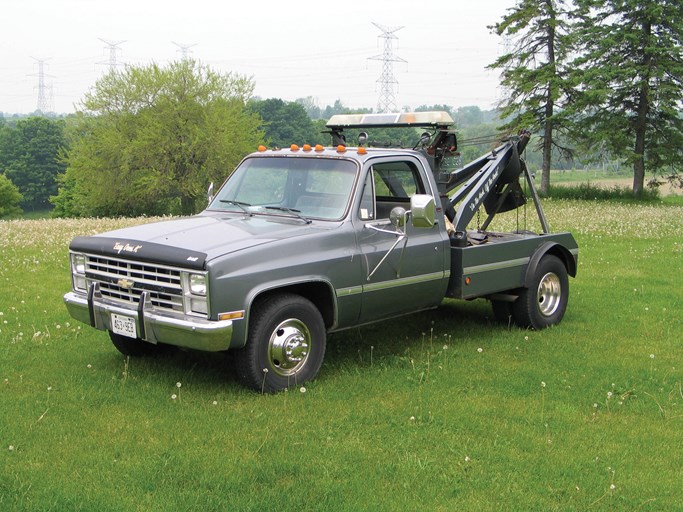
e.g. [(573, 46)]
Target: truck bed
[(493, 262)]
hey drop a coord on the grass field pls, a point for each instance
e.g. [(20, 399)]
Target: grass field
[(437, 411), (607, 179)]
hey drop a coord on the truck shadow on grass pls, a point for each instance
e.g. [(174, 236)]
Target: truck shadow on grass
[(454, 323)]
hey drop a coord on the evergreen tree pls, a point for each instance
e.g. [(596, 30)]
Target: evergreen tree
[(630, 82), (533, 72)]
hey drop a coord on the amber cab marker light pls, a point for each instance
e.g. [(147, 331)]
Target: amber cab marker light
[(307, 147), (341, 149), (294, 147), (262, 148), (362, 151), (319, 147)]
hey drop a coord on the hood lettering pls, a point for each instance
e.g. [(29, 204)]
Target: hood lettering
[(119, 248)]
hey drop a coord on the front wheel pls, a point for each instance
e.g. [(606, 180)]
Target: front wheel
[(285, 345), (544, 302)]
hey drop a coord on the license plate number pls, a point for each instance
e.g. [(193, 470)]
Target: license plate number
[(123, 325)]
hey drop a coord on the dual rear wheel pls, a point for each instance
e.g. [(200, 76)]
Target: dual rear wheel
[(543, 303)]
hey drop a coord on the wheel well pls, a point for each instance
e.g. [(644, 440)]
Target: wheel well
[(553, 249), (565, 257), (319, 293)]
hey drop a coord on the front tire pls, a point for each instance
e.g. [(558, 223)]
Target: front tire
[(544, 302), (285, 345)]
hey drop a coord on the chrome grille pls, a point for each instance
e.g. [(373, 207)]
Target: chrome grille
[(125, 281)]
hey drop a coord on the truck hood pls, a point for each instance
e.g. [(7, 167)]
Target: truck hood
[(192, 241)]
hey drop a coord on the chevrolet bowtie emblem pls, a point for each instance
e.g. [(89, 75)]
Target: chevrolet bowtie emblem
[(125, 283)]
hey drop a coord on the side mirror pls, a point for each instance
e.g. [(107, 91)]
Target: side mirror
[(423, 210)]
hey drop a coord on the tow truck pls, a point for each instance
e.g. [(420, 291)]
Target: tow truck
[(305, 241)]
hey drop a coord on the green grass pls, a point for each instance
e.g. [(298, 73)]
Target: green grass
[(591, 191), (592, 175), (437, 411)]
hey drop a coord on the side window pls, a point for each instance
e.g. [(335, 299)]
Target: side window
[(395, 183), (397, 180), (367, 202)]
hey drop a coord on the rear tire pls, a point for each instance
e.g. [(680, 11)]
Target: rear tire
[(285, 345), (135, 347), (544, 302)]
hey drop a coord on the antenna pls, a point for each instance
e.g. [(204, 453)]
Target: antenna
[(387, 101), (44, 91), (184, 49), (113, 47)]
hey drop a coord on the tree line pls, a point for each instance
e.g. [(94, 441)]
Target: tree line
[(597, 76), (593, 79)]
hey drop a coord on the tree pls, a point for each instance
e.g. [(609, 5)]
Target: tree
[(311, 107), (10, 198), (286, 123), (29, 156), (149, 140), (630, 82), (533, 72)]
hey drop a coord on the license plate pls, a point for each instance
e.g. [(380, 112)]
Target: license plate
[(123, 325)]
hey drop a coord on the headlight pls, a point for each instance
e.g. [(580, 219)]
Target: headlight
[(78, 263), (198, 284)]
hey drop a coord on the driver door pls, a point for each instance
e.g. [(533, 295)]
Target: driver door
[(405, 276)]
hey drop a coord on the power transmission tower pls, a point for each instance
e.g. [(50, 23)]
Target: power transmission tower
[(387, 101), (113, 47), (184, 49), (44, 91)]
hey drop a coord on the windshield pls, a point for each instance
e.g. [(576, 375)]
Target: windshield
[(318, 188)]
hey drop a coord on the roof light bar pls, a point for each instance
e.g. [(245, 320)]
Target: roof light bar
[(437, 118)]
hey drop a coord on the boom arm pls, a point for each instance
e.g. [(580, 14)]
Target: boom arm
[(492, 181)]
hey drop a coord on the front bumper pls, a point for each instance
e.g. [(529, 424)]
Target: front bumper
[(152, 325)]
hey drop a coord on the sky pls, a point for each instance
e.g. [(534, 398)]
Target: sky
[(291, 49)]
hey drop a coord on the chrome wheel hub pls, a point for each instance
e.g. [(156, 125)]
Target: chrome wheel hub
[(289, 347), (549, 294)]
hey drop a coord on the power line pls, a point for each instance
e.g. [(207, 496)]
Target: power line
[(184, 50), (45, 98), (113, 47), (387, 101)]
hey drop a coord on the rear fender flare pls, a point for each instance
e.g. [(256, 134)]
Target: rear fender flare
[(555, 249)]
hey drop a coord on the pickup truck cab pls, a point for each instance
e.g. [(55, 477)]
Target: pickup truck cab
[(306, 241)]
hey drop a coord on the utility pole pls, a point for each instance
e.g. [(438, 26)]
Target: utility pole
[(44, 91), (113, 47), (184, 50), (387, 101)]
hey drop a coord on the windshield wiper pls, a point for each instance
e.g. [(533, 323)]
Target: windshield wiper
[(240, 204), (294, 212)]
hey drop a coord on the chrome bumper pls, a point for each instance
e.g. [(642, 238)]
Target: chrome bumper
[(153, 325)]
